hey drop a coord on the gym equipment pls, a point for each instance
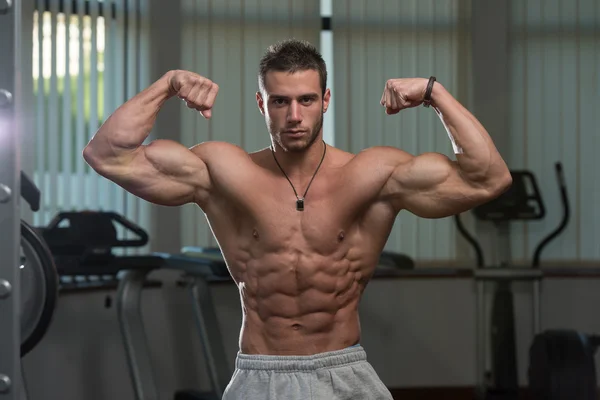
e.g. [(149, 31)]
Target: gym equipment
[(11, 382), (389, 259), (201, 265), (39, 288), (85, 239), (39, 279), (562, 366), (522, 201), (82, 245), (561, 362), (30, 193)]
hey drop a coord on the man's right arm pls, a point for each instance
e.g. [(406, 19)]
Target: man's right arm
[(163, 172)]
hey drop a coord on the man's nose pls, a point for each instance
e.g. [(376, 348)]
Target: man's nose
[(294, 114)]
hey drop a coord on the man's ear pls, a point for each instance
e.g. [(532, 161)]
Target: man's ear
[(260, 102), (326, 99)]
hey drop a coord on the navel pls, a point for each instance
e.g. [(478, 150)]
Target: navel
[(255, 234), (341, 236)]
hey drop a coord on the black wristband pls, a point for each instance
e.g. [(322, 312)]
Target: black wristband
[(427, 97)]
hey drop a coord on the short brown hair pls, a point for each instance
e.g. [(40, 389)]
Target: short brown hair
[(292, 55)]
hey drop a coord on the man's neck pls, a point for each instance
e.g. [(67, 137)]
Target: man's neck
[(302, 163)]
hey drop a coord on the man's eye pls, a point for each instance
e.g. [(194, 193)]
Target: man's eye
[(279, 102), (307, 100)]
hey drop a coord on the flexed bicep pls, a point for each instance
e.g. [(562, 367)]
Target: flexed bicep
[(429, 185), (432, 186), (163, 172)]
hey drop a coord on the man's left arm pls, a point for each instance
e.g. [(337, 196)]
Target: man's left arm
[(431, 185)]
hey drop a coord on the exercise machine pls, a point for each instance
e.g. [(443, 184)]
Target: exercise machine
[(38, 285), (562, 366), (521, 202), (10, 296), (82, 245), (38, 276), (17, 335), (203, 266), (561, 361)]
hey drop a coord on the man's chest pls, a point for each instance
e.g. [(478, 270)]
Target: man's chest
[(331, 217), (321, 215)]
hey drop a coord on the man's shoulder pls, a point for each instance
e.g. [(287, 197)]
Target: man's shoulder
[(339, 157), (381, 155), (213, 149)]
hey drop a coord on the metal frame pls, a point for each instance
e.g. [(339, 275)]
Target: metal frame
[(134, 335), (210, 336), (128, 303), (10, 169)]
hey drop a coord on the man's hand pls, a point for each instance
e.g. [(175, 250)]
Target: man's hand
[(197, 91), (399, 94)]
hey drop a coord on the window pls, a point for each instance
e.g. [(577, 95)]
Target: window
[(73, 110), (86, 62)]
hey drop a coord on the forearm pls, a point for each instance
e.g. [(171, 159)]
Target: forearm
[(476, 153), (127, 128)]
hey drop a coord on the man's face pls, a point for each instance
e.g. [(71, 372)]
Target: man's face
[(293, 108)]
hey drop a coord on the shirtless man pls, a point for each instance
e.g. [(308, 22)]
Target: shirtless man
[(300, 224)]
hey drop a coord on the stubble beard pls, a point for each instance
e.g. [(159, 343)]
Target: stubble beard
[(298, 146)]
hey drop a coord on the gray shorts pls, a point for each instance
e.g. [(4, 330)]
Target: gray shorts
[(335, 375)]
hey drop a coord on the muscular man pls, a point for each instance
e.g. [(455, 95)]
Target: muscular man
[(301, 224)]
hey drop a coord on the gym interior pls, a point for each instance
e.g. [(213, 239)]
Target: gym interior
[(105, 296)]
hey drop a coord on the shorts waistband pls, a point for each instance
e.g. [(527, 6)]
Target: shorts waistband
[(313, 362)]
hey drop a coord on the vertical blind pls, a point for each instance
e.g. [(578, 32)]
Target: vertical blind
[(377, 40), (87, 61), (224, 41), (554, 102)]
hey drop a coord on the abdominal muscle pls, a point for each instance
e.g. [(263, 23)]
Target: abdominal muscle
[(298, 304), (300, 274)]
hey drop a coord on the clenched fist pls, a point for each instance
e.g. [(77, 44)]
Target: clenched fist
[(197, 91), (403, 93)]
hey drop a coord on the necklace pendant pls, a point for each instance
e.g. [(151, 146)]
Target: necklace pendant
[(300, 204)]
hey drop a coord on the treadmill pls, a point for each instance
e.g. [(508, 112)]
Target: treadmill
[(82, 246), (204, 267)]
